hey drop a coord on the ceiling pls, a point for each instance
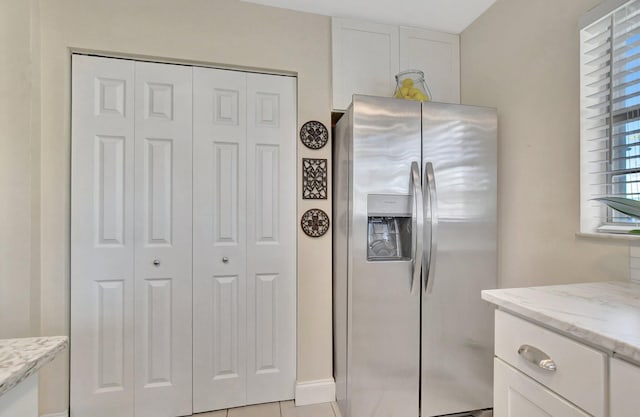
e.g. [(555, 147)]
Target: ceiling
[(451, 16)]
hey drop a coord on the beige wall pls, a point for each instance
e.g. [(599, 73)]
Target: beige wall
[(225, 32), (521, 56), (19, 295)]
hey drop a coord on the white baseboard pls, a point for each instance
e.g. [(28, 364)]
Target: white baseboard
[(315, 392), (307, 392), (62, 414)]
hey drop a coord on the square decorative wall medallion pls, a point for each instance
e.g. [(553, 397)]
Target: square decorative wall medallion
[(314, 179)]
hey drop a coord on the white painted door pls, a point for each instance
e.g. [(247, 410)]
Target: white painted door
[(517, 395), (244, 246), (163, 227), (102, 245), (131, 238), (271, 238), (219, 246)]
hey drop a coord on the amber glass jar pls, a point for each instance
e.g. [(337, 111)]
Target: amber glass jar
[(410, 85)]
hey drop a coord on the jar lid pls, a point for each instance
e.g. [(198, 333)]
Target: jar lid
[(408, 72)]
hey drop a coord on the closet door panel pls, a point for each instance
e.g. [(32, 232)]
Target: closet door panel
[(271, 237), (219, 252), (163, 233), (102, 237)]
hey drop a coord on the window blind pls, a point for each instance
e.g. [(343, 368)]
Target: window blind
[(610, 116)]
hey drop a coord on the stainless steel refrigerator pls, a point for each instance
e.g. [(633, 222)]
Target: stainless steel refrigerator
[(414, 244)]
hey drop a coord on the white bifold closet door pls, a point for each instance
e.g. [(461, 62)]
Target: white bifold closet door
[(183, 238), (102, 245), (244, 244), (131, 234), (163, 238)]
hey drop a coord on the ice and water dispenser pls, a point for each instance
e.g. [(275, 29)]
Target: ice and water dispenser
[(389, 227)]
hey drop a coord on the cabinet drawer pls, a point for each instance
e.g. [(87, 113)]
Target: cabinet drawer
[(580, 370)]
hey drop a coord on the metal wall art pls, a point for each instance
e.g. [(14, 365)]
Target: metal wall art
[(314, 135), (315, 222), (314, 179)]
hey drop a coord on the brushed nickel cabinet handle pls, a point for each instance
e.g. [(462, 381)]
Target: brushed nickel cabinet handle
[(537, 357)]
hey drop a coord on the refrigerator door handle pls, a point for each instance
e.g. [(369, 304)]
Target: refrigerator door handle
[(430, 186), (417, 227)]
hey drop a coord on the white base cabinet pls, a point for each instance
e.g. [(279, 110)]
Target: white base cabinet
[(22, 400), (542, 373), (579, 372), (367, 56), (579, 385), (623, 389), (517, 395)]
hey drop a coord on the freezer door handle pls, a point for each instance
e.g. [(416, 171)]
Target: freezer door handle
[(417, 227), (430, 187)]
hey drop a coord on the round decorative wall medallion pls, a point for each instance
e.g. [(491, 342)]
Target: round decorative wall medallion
[(315, 222), (314, 135)]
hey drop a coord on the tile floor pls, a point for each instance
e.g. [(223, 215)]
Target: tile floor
[(277, 409)]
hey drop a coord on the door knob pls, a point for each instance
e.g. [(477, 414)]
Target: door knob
[(225, 260), (156, 262)]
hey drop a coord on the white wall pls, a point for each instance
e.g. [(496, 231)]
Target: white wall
[(226, 32), (522, 57)]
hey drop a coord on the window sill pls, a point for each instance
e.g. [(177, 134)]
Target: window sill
[(609, 236)]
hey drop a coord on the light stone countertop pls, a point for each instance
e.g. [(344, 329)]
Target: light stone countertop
[(603, 314), (21, 358)]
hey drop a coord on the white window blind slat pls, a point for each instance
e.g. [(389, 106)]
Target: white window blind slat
[(622, 47), (601, 83), (602, 70), (626, 64), (619, 135), (599, 53), (620, 103), (598, 41), (599, 94), (633, 82), (600, 105), (626, 17)]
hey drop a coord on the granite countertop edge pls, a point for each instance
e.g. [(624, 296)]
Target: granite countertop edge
[(21, 358), (605, 315)]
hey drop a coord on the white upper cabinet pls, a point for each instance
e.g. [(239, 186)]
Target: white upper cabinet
[(365, 60), (367, 56), (437, 54)]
